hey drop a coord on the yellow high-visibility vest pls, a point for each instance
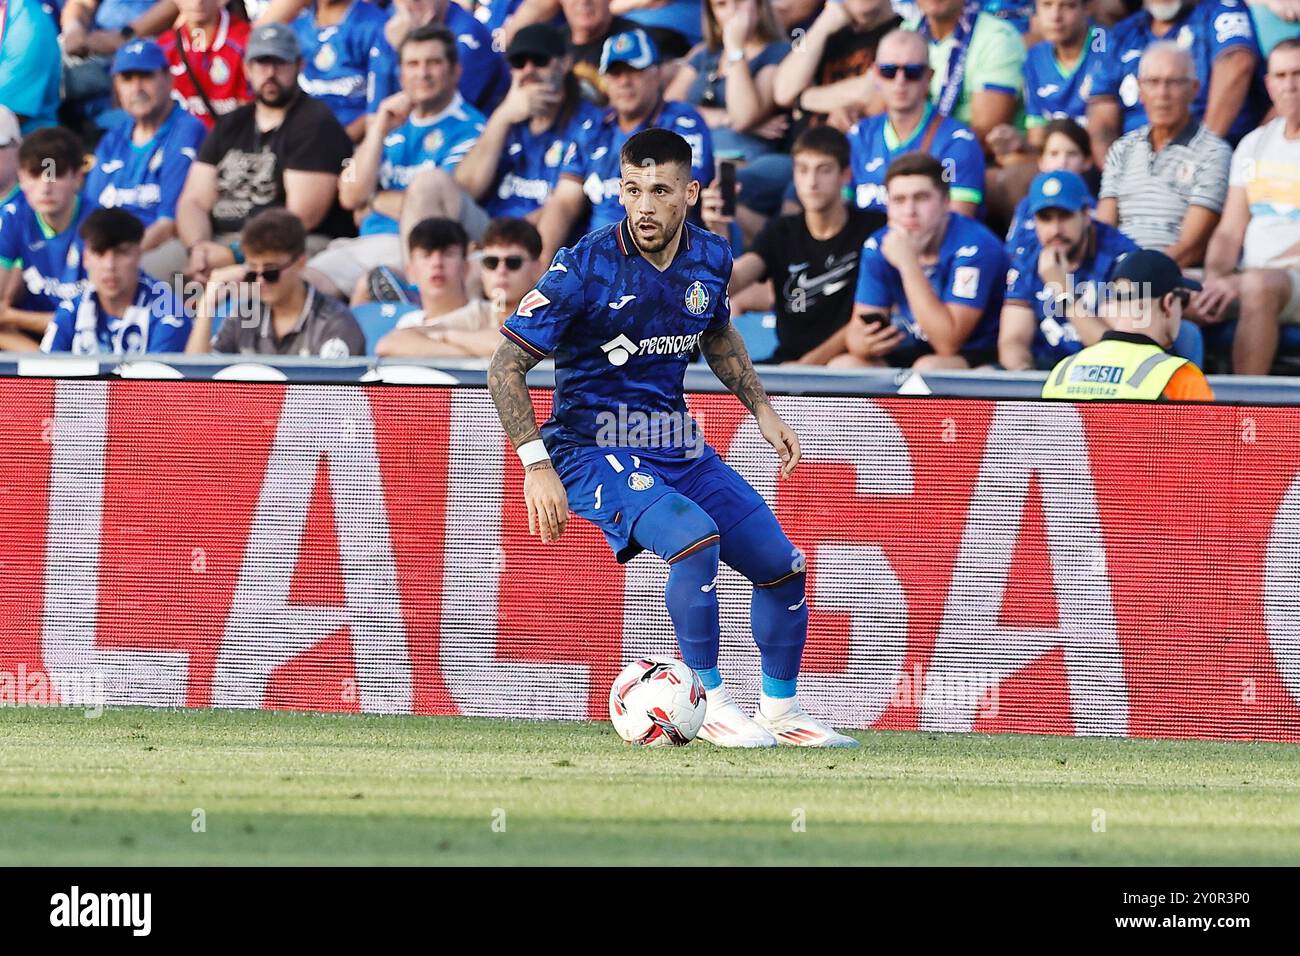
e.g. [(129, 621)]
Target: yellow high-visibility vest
[(1113, 369)]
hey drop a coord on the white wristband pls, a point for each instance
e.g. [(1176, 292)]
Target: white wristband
[(531, 452)]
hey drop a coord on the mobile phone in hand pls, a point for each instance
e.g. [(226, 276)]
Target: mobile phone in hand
[(878, 319), (727, 186)]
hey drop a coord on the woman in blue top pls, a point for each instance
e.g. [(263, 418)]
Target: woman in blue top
[(729, 78)]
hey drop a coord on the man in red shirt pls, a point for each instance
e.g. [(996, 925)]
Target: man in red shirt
[(213, 43)]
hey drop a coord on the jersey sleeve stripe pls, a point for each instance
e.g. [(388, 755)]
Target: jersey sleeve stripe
[(522, 342)]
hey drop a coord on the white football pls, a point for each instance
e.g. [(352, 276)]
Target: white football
[(657, 702)]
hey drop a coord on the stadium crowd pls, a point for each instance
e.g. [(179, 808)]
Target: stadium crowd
[(934, 184)]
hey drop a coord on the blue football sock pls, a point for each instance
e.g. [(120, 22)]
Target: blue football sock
[(759, 549), (711, 678), (680, 532)]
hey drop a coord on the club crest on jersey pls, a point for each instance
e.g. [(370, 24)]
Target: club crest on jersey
[(554, 154), (531, 302), (640, 481), (219, 71), (325, 58), (697, 298), (155, 163), (433, 141)]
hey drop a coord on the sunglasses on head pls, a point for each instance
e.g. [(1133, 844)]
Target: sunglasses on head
[(521, 60), (911, 71), (513, 263)]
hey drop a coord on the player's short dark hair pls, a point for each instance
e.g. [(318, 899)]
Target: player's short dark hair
[(55, 146), (917, 164), (513, 232), (106, 229), (432, 31), (274, 230), (655, 146), (1072, 131), (435, 234), (824, 141)]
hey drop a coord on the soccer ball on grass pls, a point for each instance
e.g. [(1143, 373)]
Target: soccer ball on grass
[(657, 702)]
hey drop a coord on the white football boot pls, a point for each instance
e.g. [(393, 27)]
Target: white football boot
[(796, 729), (725, 724)]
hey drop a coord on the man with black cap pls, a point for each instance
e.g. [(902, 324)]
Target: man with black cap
[(283, 149), (1143, 306)]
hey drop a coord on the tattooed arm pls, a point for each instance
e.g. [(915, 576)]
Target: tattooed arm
[(725, 351), (548, 506)]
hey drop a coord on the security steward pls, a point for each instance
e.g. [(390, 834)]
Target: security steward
[(1143, 305)]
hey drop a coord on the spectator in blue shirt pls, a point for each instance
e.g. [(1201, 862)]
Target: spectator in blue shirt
[(121, 310), (30, 64), (1219, 37), (425, 126), (11, 138), (38, 233), (516, 163), (140, 165), (1055, 285), (590, 178), (94, 30), (1058, 70), (911, 123), (930, 283), (341, 41)]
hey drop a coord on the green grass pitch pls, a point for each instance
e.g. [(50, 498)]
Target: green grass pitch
[(312, 789)]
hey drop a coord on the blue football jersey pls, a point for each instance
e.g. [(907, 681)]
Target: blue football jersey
[(155, 322), (145, 180), (1055, 338), (1055, 93), (493, 13), (873, 145), (1021, 232), (1205, 31), (484, 77), (437, 141), (50, 261), (971, 270), (597, 167), (530, 165), (621, 331), (337, 60)]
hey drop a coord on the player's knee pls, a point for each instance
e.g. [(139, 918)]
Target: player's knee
[(675, 528), (779, 567)]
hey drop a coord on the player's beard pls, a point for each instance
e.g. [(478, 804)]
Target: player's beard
[(275, 102), (657, 240)]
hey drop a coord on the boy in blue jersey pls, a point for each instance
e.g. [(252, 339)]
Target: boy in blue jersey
[(340, 42), (121, 310), (623, 311), (1221, 40), (427, 125), (1058, 70), (140, 166), (484, 79), (40, 259), (589, 178), (1054, 287), (911, 123), (929, 284)]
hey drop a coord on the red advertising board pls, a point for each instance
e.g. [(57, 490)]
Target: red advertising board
[(973, 565)]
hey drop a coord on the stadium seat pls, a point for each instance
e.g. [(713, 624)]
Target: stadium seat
[(377, 319), (1189, 344), (758, 329)]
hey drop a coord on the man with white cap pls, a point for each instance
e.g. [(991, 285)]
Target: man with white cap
[(283, 149)]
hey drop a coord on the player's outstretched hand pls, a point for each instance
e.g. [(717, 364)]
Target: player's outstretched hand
[(548, 505), (781, 437)]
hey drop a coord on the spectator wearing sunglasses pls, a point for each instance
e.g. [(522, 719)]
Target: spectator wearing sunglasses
[(912, 123), (121, 310), (272, 310), (516, 161), (510, 264), (728, 79)]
